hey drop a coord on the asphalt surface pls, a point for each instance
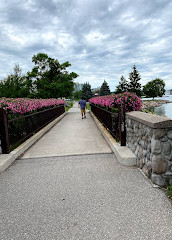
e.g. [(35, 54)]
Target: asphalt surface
[(81, 197)]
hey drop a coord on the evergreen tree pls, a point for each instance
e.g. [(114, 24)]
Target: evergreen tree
[(134, 85), (86, 91), (104, 90), (123, 85)]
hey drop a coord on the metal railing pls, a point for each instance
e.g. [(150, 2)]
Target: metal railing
[(16, 130), (113, 122)]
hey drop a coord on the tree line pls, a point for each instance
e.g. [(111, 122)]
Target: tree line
[(50, 79), (47, 79), (154, 88)]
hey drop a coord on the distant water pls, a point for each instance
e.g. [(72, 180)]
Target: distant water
[(164, 109)]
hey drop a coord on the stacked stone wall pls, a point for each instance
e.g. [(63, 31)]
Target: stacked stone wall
[(150, 139)]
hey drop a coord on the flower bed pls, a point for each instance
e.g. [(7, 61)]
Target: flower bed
[(25, 105), (130, 100)]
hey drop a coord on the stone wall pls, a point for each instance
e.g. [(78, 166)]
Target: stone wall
[(150, 139)]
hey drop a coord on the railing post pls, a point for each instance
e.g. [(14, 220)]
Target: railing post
[(122, 125), (4, 132)]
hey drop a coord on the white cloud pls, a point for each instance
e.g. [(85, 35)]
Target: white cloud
[(66, 40), (95, 38), (102, 39)]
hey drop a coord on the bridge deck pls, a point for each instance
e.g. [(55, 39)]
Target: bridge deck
[(71, 136)]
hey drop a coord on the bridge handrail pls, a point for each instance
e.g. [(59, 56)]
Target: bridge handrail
[(16, 130), (114, 122)]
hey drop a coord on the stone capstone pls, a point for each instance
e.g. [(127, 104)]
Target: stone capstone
[(159, 164)]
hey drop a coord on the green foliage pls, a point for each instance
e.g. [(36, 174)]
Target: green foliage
[(88, 106), (114, 110), (104, 90), (169, 191), (134, 85), (15, 85), (77, 95), (123, 85), (48, 79), (154, 88), (51, 79), (86, 91), (68, 105)]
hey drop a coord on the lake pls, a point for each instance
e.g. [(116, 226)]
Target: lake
[(164, 109)]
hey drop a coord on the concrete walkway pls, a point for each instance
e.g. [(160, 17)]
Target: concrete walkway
[(81, 197), (71, 136)]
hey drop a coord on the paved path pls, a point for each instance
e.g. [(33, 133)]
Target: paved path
[(71, 136), (81, 197)]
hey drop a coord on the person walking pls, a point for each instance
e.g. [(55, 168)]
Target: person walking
[(83, 107)]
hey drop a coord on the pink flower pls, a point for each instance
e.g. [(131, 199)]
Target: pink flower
[(26, 105), (131, 101)]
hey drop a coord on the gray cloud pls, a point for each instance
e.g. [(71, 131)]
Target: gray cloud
[(102, 39)]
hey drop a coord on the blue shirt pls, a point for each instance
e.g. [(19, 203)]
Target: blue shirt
[(82, 104)]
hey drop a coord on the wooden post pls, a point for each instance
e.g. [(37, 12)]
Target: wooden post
[(122, 125), (5, 145)]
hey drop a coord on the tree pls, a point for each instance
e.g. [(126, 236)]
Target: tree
[(123, 85), (77, 95), (104, 89), (86, 91), (134, 85), (154, 88), (51, 78), (15, 85)]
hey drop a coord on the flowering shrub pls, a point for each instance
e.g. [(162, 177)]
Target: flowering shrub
[(130, 100), (104, 101), (26, 105)]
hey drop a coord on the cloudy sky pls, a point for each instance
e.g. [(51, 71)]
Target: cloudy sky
[(102, 39)]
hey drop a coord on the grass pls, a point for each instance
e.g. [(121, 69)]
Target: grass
[(169, 191), (68, 105), (88, 106)]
